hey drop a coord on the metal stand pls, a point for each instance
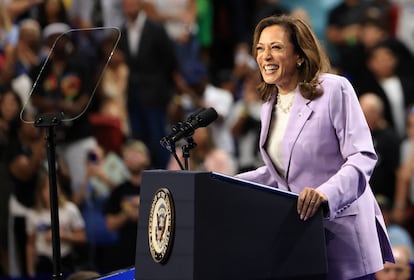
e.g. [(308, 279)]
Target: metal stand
[(50, 121), (186, 130), (170, 146), (186, 151)]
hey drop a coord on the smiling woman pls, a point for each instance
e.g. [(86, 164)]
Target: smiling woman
[(277, 59), (315, 142), (291, 45)]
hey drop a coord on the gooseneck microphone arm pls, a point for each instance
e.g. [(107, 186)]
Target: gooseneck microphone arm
[(184, 130)]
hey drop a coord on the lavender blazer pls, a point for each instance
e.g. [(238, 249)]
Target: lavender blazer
[(328, 146)]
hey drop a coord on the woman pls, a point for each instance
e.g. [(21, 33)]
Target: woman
[(403, 206), (10, 106), (39, 247), (315, 142), (394, 87)]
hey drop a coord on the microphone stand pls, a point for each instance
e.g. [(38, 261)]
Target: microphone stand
[(186, 151), (50, 121), (172, 151), (170, 146)]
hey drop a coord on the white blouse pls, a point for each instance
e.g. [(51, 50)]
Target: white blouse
[(279, 123)]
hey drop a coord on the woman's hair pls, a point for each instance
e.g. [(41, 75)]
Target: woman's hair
[(7, 90), (43, 17), (135, 145), (306, 45)]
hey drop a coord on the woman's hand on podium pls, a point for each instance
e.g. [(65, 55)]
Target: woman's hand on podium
[(309, 201)]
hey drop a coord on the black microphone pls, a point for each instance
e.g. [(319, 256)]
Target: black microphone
[(200, 118)]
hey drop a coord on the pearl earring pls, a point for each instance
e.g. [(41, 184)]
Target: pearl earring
[(298, 64)]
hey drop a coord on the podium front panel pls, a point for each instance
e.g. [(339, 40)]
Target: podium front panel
[(230, 229)]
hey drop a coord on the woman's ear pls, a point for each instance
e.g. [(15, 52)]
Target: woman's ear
[(299, 62)]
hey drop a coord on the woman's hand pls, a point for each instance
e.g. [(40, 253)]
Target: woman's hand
[(309, 201)]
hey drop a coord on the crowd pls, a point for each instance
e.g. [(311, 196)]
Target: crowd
[(167, 59)]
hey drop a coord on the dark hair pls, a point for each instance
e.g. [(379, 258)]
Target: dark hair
[(42, 17), (306, 45), (8, 90), (380, 22)]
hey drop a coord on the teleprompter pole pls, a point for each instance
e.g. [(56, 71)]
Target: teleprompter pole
[(50, 121)]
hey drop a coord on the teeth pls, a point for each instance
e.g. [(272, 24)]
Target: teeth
[(271, 67)]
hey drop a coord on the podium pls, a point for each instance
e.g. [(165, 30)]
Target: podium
[(226, 228)]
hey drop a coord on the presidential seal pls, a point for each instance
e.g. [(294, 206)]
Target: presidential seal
[(161, 225)]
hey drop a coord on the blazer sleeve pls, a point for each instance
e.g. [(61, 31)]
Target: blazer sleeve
[(260, 175), (355, 145)]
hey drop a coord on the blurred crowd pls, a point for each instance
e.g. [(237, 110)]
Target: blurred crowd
[(124, 73)]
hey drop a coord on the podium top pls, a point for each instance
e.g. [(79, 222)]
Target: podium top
[(239, 181)]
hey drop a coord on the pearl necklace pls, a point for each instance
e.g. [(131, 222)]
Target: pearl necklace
[(285, 105)]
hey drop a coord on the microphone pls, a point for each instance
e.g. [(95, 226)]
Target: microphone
[(200, 118)]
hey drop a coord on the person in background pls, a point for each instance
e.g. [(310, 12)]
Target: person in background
[(398, 235), (8, 34), (400, 270), (404, 26), (393, 87), (342, 28), (403, 209), (386, 144), (205, 94), (21, 9), (10, 105), (205, 19), (153, 68), (105, 171), (206, 156), (315, 142), (374, 31), (51, 11), (21, 59), (96, 13), (26, 154), (39, 248), (221, 161), (180, 21), (267, 8), (244, 122), (122, 207), (113, 88)]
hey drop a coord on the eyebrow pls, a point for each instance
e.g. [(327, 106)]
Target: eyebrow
[(270, 43)]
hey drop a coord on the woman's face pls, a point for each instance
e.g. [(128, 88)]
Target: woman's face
[(53, 7), (382, 63), (9, 107), (277, 59)]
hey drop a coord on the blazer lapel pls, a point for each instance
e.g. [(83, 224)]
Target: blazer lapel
[(299, 114)]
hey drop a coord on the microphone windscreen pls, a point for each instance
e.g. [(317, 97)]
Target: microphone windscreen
[(207, 116)]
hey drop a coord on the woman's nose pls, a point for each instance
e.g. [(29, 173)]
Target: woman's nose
[(267, 53)]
